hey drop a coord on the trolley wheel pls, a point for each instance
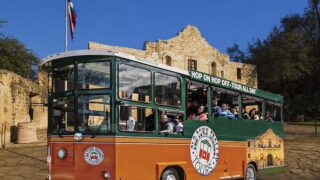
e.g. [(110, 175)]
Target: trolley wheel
[(251, 173), (169, 174)]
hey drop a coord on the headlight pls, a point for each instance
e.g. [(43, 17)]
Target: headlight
[(62, 153), (78, 136), (106, 175)]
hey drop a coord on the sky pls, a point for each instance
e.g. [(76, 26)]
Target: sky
[(40, 24)]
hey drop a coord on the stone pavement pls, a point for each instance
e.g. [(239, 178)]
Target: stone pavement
[(21, 163), (302, 158)]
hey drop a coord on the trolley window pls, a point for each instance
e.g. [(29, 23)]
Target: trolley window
[(134, 83), (167, 90), (94, 75)]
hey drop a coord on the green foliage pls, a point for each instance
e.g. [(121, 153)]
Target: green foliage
[(14, 56), (288, 61)]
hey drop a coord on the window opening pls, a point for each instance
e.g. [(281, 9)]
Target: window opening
[(224, 103), (94, 75), (63, 79), (94, 113), (168, 61), (239, 73), (197, 101), (167, 90), (63, 115), (251, 108), (134, 83), (273, 111), (213, 69), (171, 122), (138, 119), (192, 64)]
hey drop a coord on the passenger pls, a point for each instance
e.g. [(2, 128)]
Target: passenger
[(225, 112), (192, 110), (131, 122), (269, 117), (150, 121), (165, 126), (233, 110), (201, 114), (215, 108), (259, 114), (252, 113), (178, 128), (245, 114)]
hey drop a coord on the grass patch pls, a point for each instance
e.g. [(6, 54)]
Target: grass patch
[(274, 170)]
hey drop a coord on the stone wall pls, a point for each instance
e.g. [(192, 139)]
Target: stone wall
[(189, 44), (21, 100)]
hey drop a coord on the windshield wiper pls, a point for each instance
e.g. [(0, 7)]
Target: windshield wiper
[(102, 123)]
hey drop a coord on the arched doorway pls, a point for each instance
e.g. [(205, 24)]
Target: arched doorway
[(269, 160), (213, 69)]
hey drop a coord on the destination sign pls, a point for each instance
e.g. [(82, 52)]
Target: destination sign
[(221, 82)]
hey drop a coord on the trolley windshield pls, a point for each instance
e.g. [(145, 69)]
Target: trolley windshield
[(80, 97)]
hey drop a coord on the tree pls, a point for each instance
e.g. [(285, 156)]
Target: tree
[(14, 56), (288, 60)]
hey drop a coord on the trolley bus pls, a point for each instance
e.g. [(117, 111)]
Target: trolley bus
[(118, 117)]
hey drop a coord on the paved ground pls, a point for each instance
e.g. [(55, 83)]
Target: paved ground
[(302, 158), (23, 163)]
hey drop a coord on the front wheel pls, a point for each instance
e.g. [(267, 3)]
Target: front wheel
[(251, 173), (170, 174)]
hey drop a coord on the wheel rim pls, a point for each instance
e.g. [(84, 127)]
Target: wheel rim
[(250, 174), (171, 177)]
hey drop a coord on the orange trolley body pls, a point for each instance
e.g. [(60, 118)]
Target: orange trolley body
[(140, 158)]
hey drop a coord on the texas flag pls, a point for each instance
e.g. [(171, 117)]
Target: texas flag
[(72, 17)]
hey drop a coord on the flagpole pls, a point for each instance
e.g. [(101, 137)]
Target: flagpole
[(66, 28)]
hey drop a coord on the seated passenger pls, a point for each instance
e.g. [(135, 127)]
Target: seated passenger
[(150, 121), (130, 124), (225, 112), (165, 125), (259, 116), (201, 115), (215, 108), (245, 114), (269, 117), (253, 113), (233, 110), (178, 128), (192, 109)]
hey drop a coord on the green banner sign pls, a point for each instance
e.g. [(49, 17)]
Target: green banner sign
[(221, 82)]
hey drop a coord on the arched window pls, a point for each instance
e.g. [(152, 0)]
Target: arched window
[(168, 60), (213, 69)]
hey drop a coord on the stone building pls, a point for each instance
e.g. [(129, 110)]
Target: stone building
[(21, 100), (190, 50)]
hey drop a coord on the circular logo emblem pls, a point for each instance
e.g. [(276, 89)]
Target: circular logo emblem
[(204, 150), (93, 156)]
